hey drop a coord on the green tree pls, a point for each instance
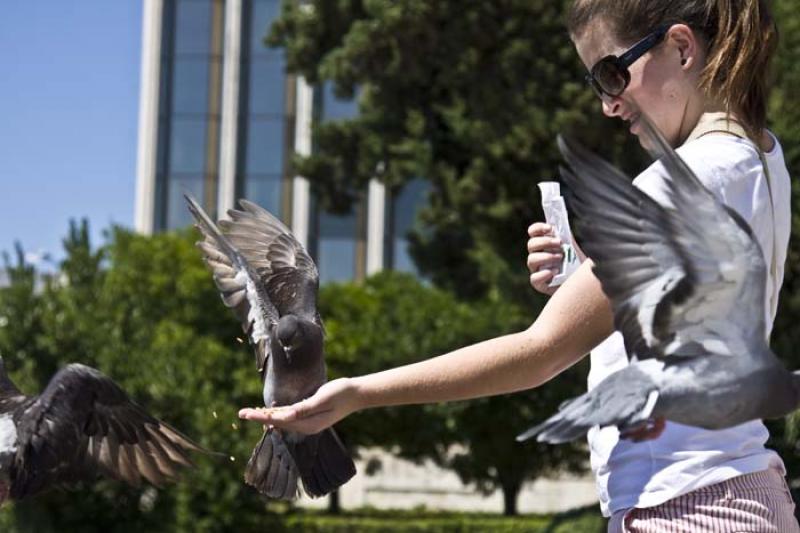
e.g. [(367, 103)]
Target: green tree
[(467, 95)]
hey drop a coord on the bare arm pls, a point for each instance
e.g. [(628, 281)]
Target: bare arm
[(576, 319)]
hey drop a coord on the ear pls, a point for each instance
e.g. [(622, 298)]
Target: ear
[(686, 45)]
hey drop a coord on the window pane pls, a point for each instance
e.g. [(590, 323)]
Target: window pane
[(177, 214), (190, 86), (187, 146), (267, 89), (335, 108), (193, 26), (336, 247), (337, 260), (405, 207), (402, 258), (264, 147), (265, 191), (264, 13), (163, 146)]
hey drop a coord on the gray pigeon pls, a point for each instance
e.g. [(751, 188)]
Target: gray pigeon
[(269, 281), (81, 425), (687, 287)]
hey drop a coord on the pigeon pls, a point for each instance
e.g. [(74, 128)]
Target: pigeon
[(271, 283), (687, 287), (82, 424)]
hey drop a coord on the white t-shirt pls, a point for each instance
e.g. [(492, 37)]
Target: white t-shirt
[(685, 458)]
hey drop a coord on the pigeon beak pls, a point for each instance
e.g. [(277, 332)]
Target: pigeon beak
[(288, 351)]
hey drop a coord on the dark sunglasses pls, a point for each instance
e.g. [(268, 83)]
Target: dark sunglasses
[(610, 76)]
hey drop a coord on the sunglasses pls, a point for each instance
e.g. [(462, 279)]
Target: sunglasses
[(610, 76)]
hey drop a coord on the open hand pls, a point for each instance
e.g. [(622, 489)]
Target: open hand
[(332, 402)]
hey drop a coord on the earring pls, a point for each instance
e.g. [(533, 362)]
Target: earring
[(683, 61)]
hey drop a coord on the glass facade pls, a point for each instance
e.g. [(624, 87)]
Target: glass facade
[(263, 118), (189, 112), (337, 242), (401, 211), (185, 143)]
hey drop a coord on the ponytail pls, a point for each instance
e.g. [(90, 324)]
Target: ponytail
[(740, 50)]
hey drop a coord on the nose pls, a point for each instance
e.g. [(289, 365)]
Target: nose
[(612, 106)]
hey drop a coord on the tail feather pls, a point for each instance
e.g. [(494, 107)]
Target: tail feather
[(321, 461), (564, 426), (330, 466), (624, 399), (271, 468)]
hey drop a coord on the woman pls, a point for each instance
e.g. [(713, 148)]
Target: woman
[(679, 62)]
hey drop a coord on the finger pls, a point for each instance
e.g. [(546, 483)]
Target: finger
[(268, 415), (540, 280), (540, 228), (262, 415), (546, 243), (543, 260)]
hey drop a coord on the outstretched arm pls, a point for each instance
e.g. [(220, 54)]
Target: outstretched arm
[(574, 321)]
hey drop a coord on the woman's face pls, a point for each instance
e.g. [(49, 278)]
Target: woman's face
[(660, 85)]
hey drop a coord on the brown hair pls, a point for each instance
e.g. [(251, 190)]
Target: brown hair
[(741, 37)]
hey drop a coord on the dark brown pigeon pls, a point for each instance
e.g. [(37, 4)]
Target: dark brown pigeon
[(82, 424)]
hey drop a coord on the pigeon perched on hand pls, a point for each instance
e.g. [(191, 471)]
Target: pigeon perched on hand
[(269, 281), (81, 425), (687, 286)]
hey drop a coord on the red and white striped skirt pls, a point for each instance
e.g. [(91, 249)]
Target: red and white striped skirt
[(753, 503)]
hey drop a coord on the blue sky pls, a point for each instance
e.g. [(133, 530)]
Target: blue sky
[(69, 88)]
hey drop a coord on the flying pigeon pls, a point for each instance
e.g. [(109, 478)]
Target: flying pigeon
[(81, 425), (687, 286), (271, 283)]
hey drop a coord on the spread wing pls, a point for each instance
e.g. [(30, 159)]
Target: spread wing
[(84, 424), (676, 275), (242, 289), (282, 263)]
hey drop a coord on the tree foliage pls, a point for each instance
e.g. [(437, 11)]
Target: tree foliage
[(467, 95)]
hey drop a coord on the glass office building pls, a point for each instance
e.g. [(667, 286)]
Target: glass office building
[(220, 118)]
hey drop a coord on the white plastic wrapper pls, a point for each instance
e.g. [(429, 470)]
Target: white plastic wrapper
[(555, 214)]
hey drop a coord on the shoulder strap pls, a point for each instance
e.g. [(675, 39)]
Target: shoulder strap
[(717, 123), (723, 123)]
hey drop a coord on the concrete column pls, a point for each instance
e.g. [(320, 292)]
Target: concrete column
[(376, 217), (230, 106), (301, 197), (144, 212)]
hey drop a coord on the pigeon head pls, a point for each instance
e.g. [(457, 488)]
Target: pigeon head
[(289, 334)]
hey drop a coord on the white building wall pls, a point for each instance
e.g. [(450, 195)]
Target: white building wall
[(401, 484)]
